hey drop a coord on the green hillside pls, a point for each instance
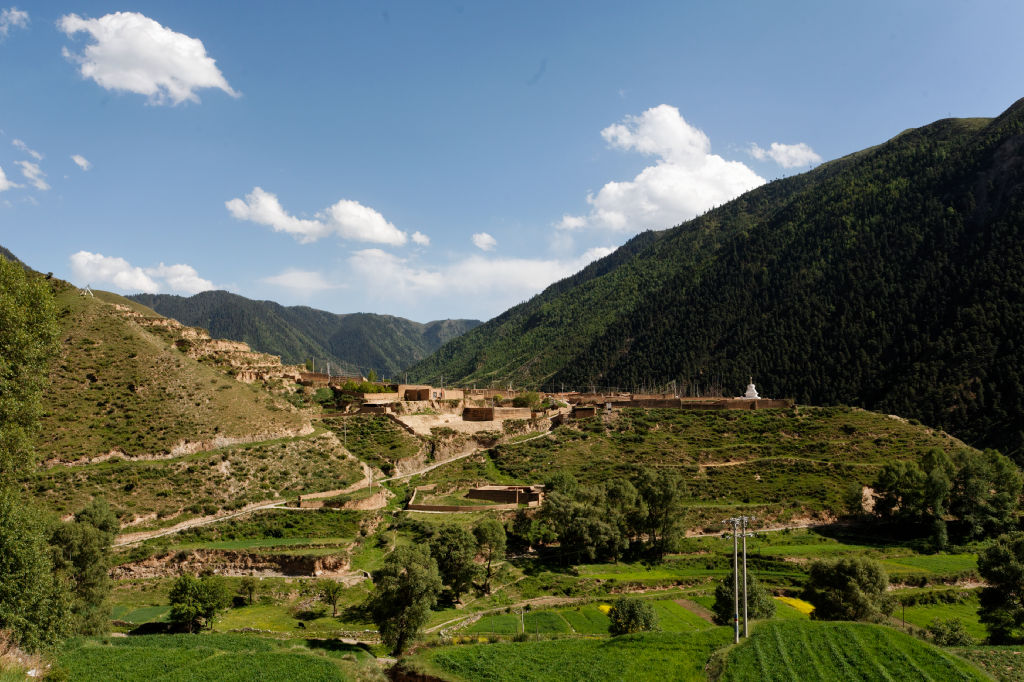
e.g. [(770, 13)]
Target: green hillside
[(117, 387), (891, 279), (356, 342)]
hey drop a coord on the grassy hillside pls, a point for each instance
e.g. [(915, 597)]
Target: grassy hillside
[(356, 342), (892, 279), (211, 657), (812, 652), (119, 388), (650, 656), (792, 461)]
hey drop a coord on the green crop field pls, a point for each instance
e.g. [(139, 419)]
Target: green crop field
[(219, 658), (648, 656), (1004, 663), (675, 618), (499, 624), (586, 619), (811, 651), (923, 614), (545, 622)]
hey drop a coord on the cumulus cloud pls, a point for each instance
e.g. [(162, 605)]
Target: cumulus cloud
[(786, 155), (95, 268), (484, 241), (348, 219), (6, 184), (420, 238), (81, 161), (134, 53), (301, 282), (34, 174), (12, 17), (25, 148), (686, 179), (486, 285), (180, 277)]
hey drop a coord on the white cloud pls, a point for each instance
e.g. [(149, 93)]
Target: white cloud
[(135, 53), (786, 155), (484, 241), (95, 268), (34, 174), (12, 17), (348, 219), (6, 184), (420, 238), (81, 161), (181, 277), (485, 285), (686, 179), (25, 148), (302, 282)]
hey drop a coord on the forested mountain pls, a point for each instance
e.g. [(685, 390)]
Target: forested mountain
[(892, 279), (356, 342)]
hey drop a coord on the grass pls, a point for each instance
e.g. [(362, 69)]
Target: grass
[(811, 651), (647, 656), (804, 456), (117, 385), (675, 618), (168, 658), (1004, 663), (374, 438), (922, 615), (202, 483)]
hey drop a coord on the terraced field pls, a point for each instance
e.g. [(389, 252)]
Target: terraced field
[(648, 656), (213, 658), (811, 651)]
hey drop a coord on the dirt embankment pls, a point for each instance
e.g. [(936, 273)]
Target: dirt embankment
[(238, 563)]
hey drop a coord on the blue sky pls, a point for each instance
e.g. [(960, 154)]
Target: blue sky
[(431, 159)]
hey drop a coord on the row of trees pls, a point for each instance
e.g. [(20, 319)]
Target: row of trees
[(53, 575), (978, 491), (606, 521)]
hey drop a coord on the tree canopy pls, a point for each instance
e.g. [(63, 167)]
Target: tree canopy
[(405, 589), (847, 589)]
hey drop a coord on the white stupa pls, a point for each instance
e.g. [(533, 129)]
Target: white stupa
[(751, 393)]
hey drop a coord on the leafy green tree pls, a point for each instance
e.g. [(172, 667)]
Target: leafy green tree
[(490, 538), (848, 589), (1001, 566), (663, 493), (950, 632), (454, 548), (35, 601), (406, 588), (629, 614), (986, 493), (28, 339), (330, 592), (760, 604), (196, 601), (247, 586), (82, 552)]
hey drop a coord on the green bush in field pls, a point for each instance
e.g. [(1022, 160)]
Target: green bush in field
[(759, 600), (949, 632), (1002, 602), (848, 589), (629, 615)]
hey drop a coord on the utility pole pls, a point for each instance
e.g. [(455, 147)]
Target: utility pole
[(735, 578), (746, 621)]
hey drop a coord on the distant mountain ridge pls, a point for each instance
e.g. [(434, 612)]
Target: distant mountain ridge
[(892, 279), (355, 342)]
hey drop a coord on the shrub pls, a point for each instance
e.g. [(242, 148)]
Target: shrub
[(949, 632), (848, 589), (629, 614)]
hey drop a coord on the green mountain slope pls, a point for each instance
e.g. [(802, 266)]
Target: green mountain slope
[(118, 388), (356, 342), (892, 279)]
